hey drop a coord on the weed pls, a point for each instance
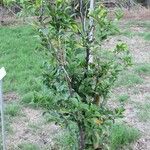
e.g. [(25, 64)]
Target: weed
[(143, 69), (12, 110), (66, 140), (34, 127), (147, 97), (136, 91), (144, 112), (128, 33), (122, 135), (147, 36), (28, 146), (144, 24), (8, 127), (28, 98), (129, 79), (123, 98)]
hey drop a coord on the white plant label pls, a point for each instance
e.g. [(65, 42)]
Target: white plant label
[(2, 73)]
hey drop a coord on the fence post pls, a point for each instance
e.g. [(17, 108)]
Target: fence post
[(2, 74)]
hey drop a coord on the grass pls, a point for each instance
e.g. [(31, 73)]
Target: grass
[(147, 36), (142, 69), (19, 57), (129, 80), (144, 112), (12, 110), (144, 24), (147, 97), (34, 127), (65, 141), (28, 146), (28, 98), (130, 34), (123, 98), (121, 135)]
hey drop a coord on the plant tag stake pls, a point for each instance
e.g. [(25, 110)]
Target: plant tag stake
[(2, 75)]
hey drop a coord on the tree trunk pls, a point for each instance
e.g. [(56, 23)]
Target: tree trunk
[(91, 27)]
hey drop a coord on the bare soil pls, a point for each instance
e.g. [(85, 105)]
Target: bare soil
[(31, 128)]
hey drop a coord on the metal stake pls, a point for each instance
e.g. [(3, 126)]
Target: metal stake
[(2, 116)]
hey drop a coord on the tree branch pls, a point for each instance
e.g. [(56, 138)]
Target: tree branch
[(68, 79)]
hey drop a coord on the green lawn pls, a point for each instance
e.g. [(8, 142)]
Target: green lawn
[(19, 56)]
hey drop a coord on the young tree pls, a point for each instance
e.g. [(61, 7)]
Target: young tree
[(78, 85)]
